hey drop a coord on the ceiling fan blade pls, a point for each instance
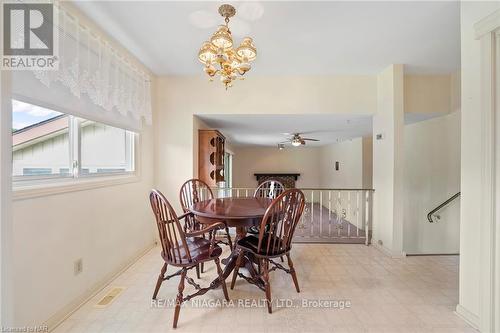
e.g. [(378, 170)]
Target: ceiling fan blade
[(283, 142), (308, 139)]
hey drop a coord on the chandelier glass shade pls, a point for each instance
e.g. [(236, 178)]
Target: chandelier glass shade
[(221, 58)]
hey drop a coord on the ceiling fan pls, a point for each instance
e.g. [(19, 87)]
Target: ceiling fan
[(296, 140)]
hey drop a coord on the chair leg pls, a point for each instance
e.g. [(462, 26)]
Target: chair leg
[(265, 277), (198, 271), (292, 271), (229, 238), (178, 301), (160, 280), (236, 268), (202, 267), (221, 279)]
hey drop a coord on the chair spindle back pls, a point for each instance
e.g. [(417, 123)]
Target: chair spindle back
[(279, 222), (193, 191), (269, 189), (172, 237)]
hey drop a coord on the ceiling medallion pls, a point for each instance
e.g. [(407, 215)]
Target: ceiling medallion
[(219, 56)]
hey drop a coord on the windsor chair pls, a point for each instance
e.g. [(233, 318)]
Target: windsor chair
[(191, 192), (184, 249), (268, 189), (274, 240)]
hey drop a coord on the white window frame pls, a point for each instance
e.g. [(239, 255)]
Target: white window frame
[(34, 186)]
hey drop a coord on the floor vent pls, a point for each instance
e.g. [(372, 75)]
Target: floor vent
[(109, 297)]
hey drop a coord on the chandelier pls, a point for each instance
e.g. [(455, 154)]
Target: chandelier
[(219, 56)]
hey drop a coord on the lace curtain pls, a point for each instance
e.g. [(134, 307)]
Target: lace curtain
[(107, 86)]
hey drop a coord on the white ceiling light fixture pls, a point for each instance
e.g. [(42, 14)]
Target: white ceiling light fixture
[(296, 142)]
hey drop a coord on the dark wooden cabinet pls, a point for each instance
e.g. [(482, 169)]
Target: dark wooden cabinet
[(211, 156)]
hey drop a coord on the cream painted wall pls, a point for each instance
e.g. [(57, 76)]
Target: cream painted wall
[(349, 154), (432, 93), (256, 95), (427, 93), (471, 13), (315, 164), (250, 160), (388, 161), (368, 162), (179, 98), (432, 175), (106, 227)]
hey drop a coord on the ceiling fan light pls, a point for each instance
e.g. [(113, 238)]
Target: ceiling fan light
[(296, 142)]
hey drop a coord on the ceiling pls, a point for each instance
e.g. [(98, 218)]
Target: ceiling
[(268, 130), (292, 38)]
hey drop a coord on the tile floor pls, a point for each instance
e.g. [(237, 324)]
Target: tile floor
[(415, 294)]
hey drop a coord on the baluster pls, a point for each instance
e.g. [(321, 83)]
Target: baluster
[(312, 213), (329, 213), (367, 216), (339, 212), (357, 214), (349, 213), (320, 213)]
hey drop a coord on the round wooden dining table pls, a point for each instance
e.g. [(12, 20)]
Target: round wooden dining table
[(239, 213)]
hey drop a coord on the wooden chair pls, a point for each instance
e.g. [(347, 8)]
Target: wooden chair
[(192, 191), (268, 189), (183, 249), (274, 240)]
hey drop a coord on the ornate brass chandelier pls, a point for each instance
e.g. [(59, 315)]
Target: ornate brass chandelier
[(219, 56)]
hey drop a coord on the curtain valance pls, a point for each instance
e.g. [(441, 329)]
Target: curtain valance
[(94, 80)]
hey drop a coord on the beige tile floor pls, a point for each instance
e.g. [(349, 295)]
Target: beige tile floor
[(414, 294)]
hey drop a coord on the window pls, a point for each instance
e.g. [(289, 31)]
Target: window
[(105, 149), (48, 144)]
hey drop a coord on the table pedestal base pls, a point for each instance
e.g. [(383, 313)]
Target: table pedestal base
[(248, 262)]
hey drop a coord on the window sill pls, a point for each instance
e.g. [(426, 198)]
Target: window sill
[(28, 191)]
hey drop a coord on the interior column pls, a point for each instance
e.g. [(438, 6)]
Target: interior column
[(388, 154)]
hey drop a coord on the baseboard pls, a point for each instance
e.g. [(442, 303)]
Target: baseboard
[(431, 254), (72, 307), (388, 252), (468, 316)]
